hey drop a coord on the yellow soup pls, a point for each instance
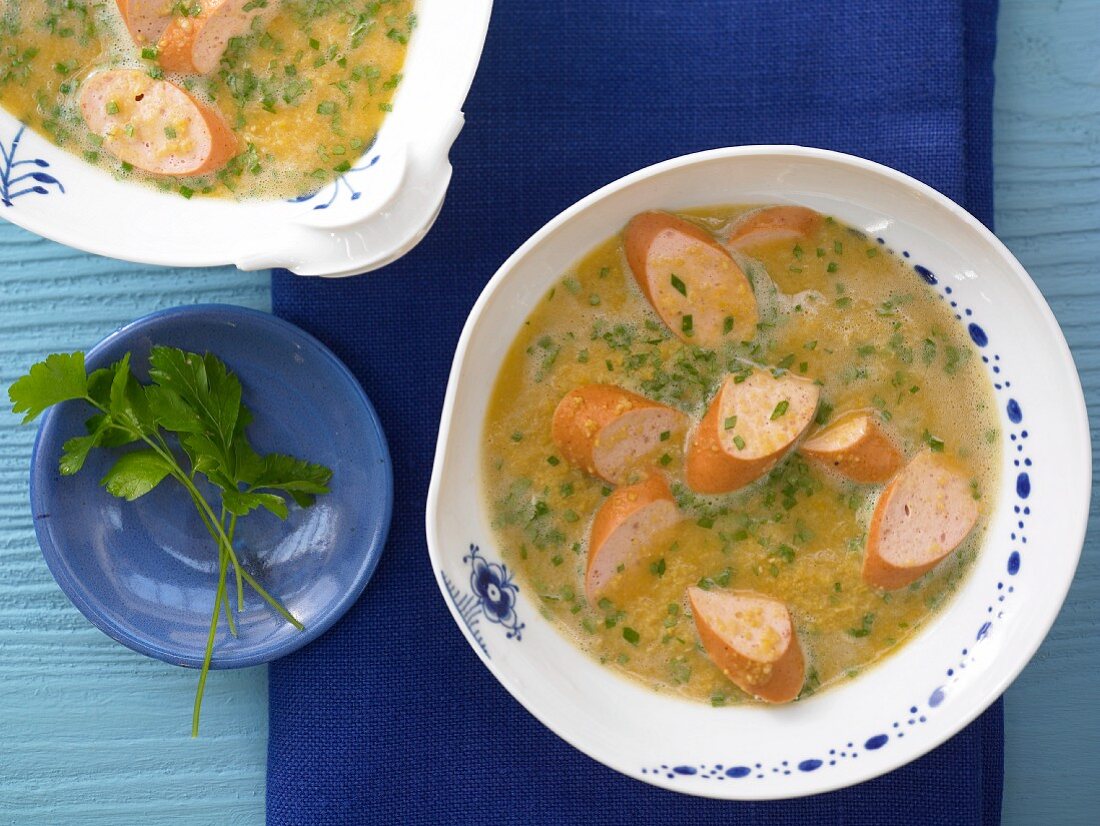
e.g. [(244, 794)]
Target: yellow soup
[(838, 309), (305, 91)]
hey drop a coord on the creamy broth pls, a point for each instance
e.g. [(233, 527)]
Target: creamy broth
[(305, 92), (840, 310)]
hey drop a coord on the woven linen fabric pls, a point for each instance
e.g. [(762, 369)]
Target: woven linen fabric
[(390, 718)]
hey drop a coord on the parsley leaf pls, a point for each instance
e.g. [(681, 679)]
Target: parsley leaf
[(196, 399), (59, 378), (135, 474)]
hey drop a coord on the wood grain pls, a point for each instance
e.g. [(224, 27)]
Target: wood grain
[(92, 732), (1047, 189)]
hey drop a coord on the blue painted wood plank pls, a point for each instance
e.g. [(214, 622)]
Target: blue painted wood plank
[(1047, 188), (93, 733)]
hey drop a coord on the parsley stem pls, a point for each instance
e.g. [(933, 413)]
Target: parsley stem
[(223, 558), (219, 595), (216, 531)]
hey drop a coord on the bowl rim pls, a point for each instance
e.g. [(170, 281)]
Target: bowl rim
[(99, 614), (1077, 424), (286, 233)]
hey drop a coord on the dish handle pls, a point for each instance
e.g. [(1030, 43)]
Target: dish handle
[(402, 196)]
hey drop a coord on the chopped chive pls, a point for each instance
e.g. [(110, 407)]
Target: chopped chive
[(914, 389), (343, 166), (727, 325), (821, 252), (666, 435), (731, 422), (737, 440), (706, 522), (186, 192), (832, 267), (112, 107), (780, 409), (824, 412), (148, 53), (686, 325), (872, 252), (665, 459), (810, 345), (314, 43), (936, 444), (170, 132), (786, 361), (843, 301), (127, 166), (553, 461), (797, 251), (679, 285), (594, 300), (838, 248), (630, 635), (517, 437)]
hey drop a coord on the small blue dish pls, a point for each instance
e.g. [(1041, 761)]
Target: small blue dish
[(144, 572)]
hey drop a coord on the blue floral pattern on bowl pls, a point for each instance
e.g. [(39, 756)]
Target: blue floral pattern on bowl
[(338, 186), (14, 184), (916, 714), (493, 595)]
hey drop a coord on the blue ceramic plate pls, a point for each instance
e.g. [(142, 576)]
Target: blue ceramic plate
[(144, 572)]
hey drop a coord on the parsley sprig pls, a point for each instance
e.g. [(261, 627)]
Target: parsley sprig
[(194, 403)]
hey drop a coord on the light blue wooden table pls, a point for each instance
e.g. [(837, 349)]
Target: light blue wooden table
[(91, 733)]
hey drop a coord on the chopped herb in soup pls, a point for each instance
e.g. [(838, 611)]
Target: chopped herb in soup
[(241, 98), (740, 453)]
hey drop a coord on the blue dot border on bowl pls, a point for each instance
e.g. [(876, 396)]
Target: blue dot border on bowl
[(915, 714)]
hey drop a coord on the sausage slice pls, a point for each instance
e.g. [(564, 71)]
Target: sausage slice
[(922, 516), (624, 529), (792, 223), (750, 637), (750, 425), (610, 432), (154, 124), (195, 45), (696, 288), (146, 20), (855, 446)]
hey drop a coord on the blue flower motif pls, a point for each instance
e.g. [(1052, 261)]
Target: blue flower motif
[(493, 586), (32, 182), (338, 184), (493, 597)]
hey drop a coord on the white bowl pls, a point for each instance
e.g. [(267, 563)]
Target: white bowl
[(943, 678), (368, 217)]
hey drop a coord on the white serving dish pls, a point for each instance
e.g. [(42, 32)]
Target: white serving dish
[(367, 218), (941, 680)]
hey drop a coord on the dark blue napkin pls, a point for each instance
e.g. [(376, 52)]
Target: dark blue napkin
[(390, 718)]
